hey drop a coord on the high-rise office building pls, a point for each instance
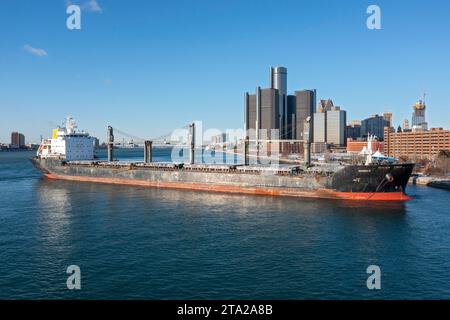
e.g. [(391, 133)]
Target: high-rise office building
[(374, 126), (250, 112), (329, 124), (353, 130), (291, 117), (273, 108), (305, 107), (269, 109), (261, 111), (278, 80), (418, 116), (388, 117), (17, 140), (335, 124), (320, 127), (278, 76)]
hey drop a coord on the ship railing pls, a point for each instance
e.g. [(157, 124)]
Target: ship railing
[(287, 170), (160, 165), (209, 167), (280, 170), (82, 162)]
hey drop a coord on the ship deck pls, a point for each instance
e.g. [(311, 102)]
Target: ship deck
[(279, 169)]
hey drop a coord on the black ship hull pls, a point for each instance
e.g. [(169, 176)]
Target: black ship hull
[(373, 178), (349, 182)]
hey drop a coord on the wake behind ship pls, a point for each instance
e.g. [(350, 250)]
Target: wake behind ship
[(69, 155)]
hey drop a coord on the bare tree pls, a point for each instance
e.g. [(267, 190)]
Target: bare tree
[(442, 162)]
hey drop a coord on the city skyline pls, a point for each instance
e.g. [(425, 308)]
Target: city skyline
[(134, 68)]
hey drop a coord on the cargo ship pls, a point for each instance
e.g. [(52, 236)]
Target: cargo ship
[(69, 155)]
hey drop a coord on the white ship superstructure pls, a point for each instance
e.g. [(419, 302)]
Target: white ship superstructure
[(68, 144), (376, 156)]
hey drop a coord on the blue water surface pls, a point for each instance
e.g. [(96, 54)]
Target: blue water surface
[(147, 243)]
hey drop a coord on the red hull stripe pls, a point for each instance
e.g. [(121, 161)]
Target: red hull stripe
[(320, 193)]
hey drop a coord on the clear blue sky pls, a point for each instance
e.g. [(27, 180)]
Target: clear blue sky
[(148, 67)]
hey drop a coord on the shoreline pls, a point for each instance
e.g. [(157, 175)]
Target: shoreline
[(424, 181)]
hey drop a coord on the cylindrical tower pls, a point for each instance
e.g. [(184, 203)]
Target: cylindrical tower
[(279, 79)]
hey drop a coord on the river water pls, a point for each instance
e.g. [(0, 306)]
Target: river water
[(147, 243)]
